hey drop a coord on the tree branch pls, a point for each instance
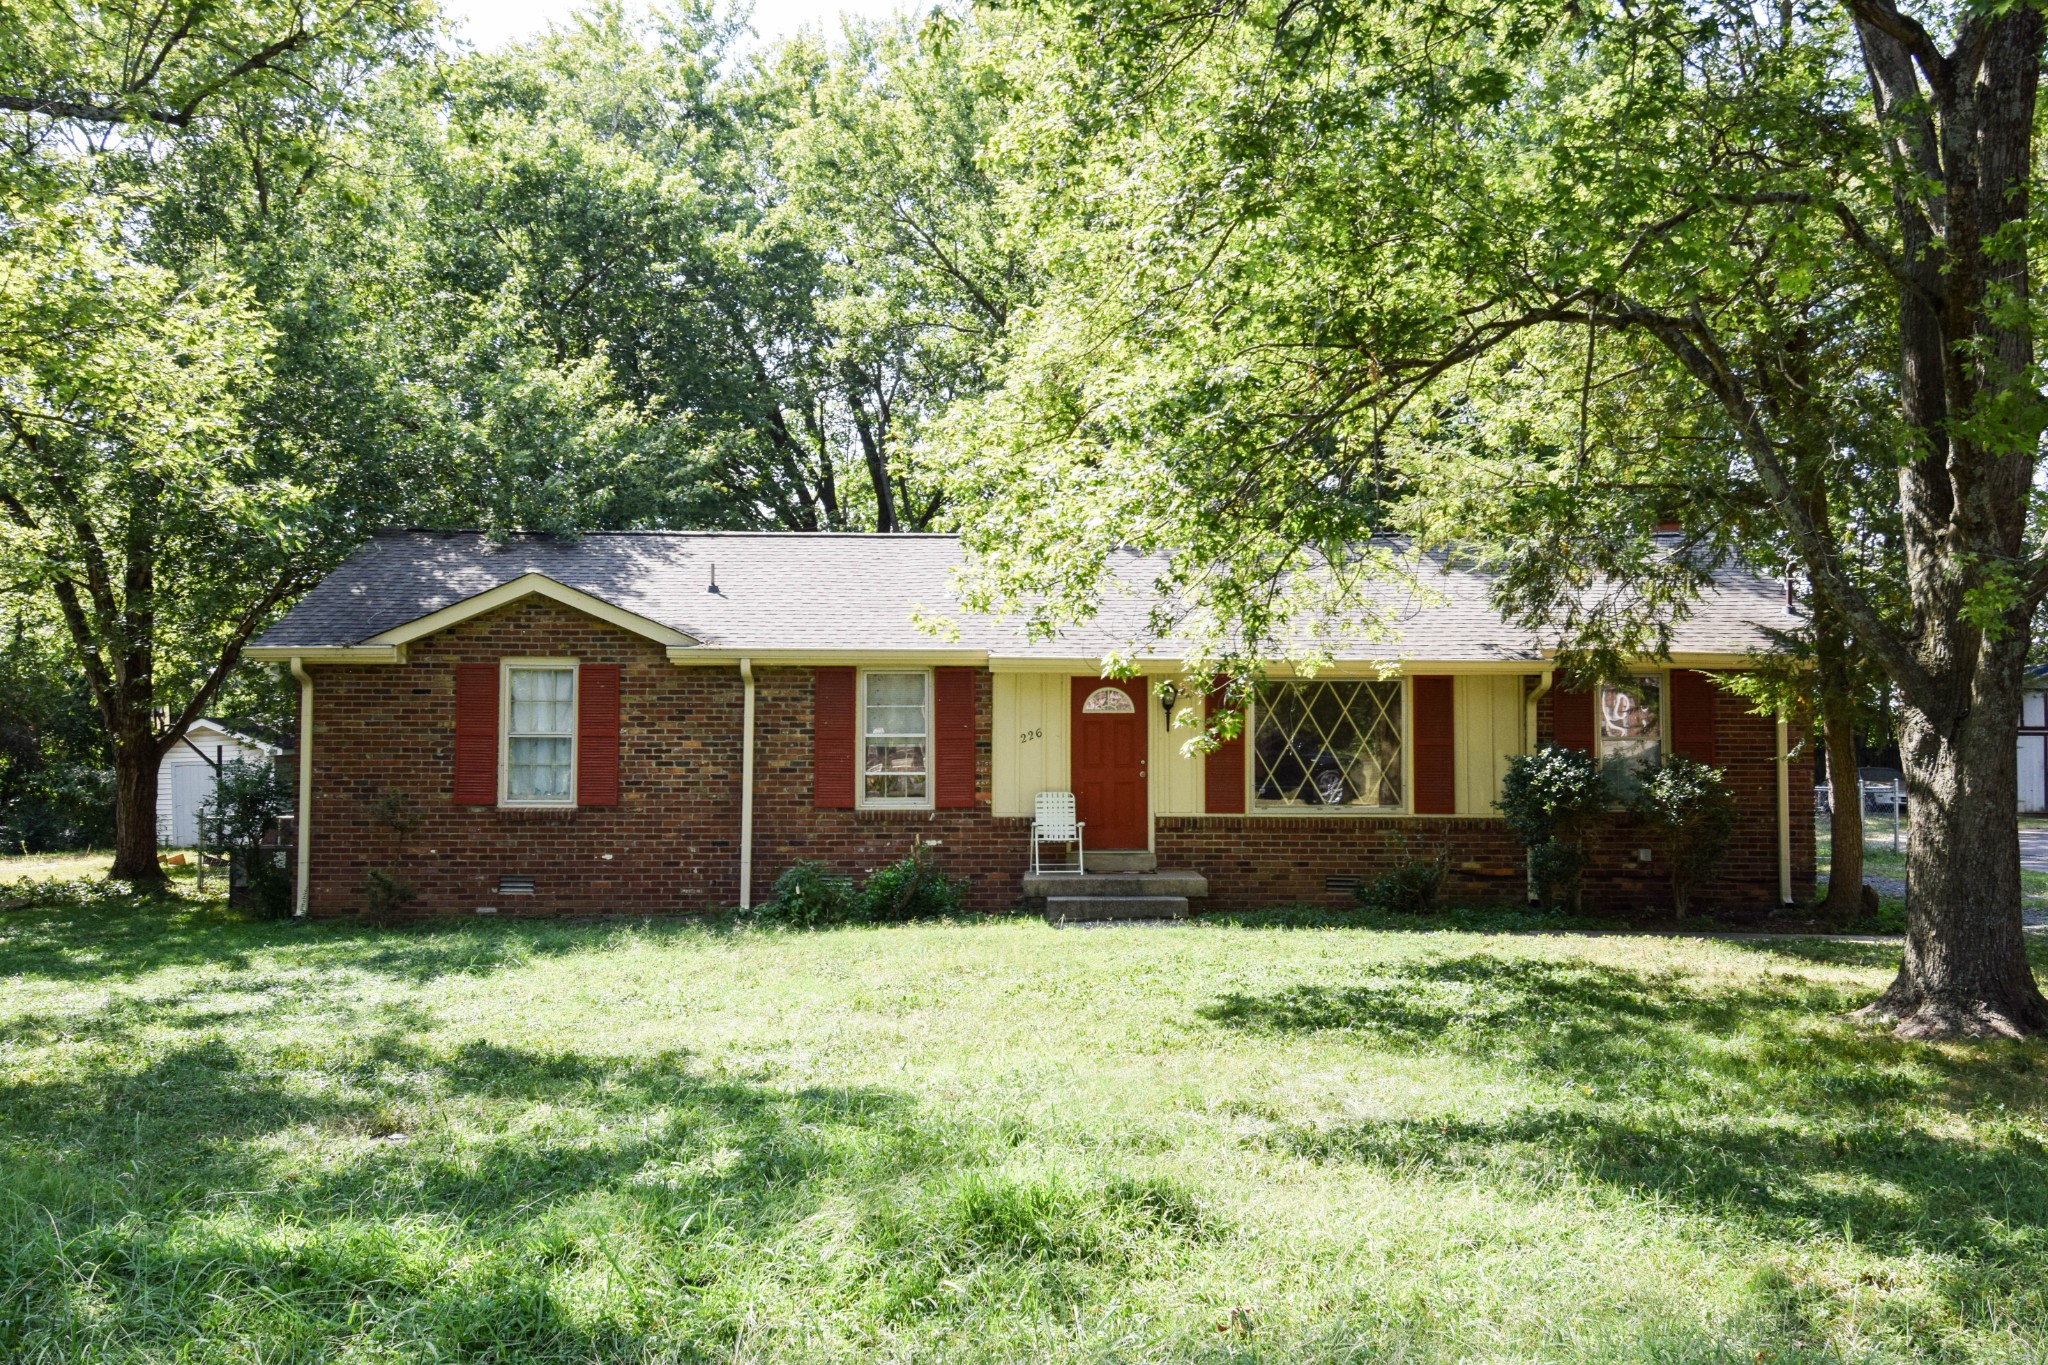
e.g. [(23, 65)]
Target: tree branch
[(230, 655), (1902, 29), (1691, 343), (77, 111)]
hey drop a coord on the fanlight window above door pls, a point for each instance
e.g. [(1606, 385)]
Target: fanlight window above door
[(1108, 701)]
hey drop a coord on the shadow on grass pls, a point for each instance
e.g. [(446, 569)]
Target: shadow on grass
[(377, 1193), (1482, 919), (1754, 1101), (124, 937)]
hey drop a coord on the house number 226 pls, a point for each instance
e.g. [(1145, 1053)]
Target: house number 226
[(1030, 735)]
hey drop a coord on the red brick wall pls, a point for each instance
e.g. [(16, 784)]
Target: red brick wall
[(991, 853), (383, 747), (1255, 861), (384, 733)]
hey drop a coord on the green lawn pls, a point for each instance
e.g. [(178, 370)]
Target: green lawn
[(991, 1141)]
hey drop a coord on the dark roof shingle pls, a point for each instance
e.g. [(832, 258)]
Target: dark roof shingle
[(842, 591)]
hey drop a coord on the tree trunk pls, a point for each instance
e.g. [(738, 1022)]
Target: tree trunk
[(136, 758), (1965, 972), (1844, 902)]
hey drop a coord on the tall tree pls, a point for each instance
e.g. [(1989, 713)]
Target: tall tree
[(889, 171), (137, 495), (1301, 220)]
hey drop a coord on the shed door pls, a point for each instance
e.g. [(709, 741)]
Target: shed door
[(191, 784), (1109, 762), (2033, 773)]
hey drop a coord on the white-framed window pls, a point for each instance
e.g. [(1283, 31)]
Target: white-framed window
[(538, 725), (896, 730), (1328, 743), (1629, 729)]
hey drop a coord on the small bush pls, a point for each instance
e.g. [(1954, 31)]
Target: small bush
[(248, 800), (1410, 887), (807, 895), (386, 897), (911, 889), (1553, 800), (1688, 812)]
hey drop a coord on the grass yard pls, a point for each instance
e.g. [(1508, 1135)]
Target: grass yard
[(505, 1142)]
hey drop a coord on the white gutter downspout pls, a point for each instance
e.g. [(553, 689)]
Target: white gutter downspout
[(1784, 813), (747, 787), (1544, 680), (302, 891)]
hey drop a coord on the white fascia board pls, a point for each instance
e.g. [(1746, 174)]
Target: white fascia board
[(531, 585)]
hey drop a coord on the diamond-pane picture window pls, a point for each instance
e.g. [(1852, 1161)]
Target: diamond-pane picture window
[(1335, 743)]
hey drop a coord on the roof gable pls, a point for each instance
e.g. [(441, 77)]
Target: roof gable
[(524, 586)]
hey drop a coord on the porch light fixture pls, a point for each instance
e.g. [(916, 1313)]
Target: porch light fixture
[(1168, 695)]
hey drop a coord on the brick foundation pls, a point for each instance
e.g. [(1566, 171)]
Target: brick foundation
[(383, 803)]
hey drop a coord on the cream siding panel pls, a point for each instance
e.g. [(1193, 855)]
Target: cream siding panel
[(1176, 783), (1488, 732), (1029, 749)]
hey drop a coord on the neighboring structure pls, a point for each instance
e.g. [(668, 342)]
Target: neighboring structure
[(185, 779), (2034, 742), (664, 722)]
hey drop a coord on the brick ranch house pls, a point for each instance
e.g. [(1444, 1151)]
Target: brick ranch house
[(653, 722)]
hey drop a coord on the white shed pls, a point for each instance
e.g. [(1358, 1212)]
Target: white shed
[(185, 779)]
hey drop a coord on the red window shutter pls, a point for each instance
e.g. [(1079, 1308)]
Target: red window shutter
[(1223, 772), (1433, 733), (597, 735), (476, 734), (1691, 715), (832, 738), (953, 737), (1571, 719)]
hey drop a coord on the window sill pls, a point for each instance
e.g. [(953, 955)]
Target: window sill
[(537, 815)]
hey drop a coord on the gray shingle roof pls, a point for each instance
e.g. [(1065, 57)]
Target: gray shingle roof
[(829, 591)]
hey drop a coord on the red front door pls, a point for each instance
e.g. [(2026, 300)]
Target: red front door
[(1109, 762)]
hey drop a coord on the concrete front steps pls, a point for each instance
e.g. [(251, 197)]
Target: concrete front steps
[(1118, 885)]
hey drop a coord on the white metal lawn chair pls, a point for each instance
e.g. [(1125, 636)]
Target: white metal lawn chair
[(1053, 822)]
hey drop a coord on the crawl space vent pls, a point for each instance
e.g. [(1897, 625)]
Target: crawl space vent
[(1347, 885), (515, 886)]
